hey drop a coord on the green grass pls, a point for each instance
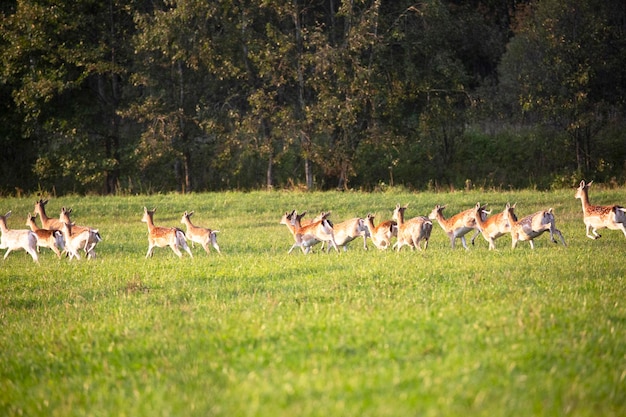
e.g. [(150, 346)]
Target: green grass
[(258, 332)]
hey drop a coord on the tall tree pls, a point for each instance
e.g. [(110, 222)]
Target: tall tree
[(343, 81), (192, 66), (67, 64)]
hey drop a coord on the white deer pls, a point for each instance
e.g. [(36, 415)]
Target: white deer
[(200, 235), (495, 226), (75, 241), (456, 226), (381, 234), (413, 231), (17, 239), (52, 239), (93, 234), (600, 217), (532, 226), (348, 230)]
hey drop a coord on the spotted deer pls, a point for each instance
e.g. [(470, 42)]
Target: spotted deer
[(200, 235), (456, 226), (164, 236), (52, 239), (494, 226), (600, 217)]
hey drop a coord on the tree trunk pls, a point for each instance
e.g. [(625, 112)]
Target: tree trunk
[(269, 180), (308, 173)]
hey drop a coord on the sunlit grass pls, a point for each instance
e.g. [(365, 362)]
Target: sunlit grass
[(259, 332)]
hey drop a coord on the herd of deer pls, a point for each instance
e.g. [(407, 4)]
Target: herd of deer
[(62, 235), (412, 232)]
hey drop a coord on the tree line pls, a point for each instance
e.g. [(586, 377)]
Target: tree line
[(110, 96)]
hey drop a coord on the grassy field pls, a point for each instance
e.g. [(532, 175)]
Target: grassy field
[(258, 332)]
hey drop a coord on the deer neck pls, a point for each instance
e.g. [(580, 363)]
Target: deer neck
[(400, 218), (150, 223), (584, 198), (43, 215), (33, 226)]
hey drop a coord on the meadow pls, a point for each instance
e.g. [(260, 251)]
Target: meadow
[(258, 332)]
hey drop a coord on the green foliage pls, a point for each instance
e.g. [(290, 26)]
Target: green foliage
[(259, 332), (190, 96)]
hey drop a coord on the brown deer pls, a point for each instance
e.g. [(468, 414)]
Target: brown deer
[(46, 222), (495, 226), (600, 217), (52, 239), (456, 226), (164, 236), (311, 234), (200, 235), (381, 234)]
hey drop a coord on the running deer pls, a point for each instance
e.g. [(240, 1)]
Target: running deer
[(52, 239), (75, 241), (532, 226), (413, 231), (200, 235), (287, 220), (348, 230), (600, 217), (46, 222), (17, 239), (309, 235), (164, 236), (495, 226), (94, 234), (381, 234), (456, 226)]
